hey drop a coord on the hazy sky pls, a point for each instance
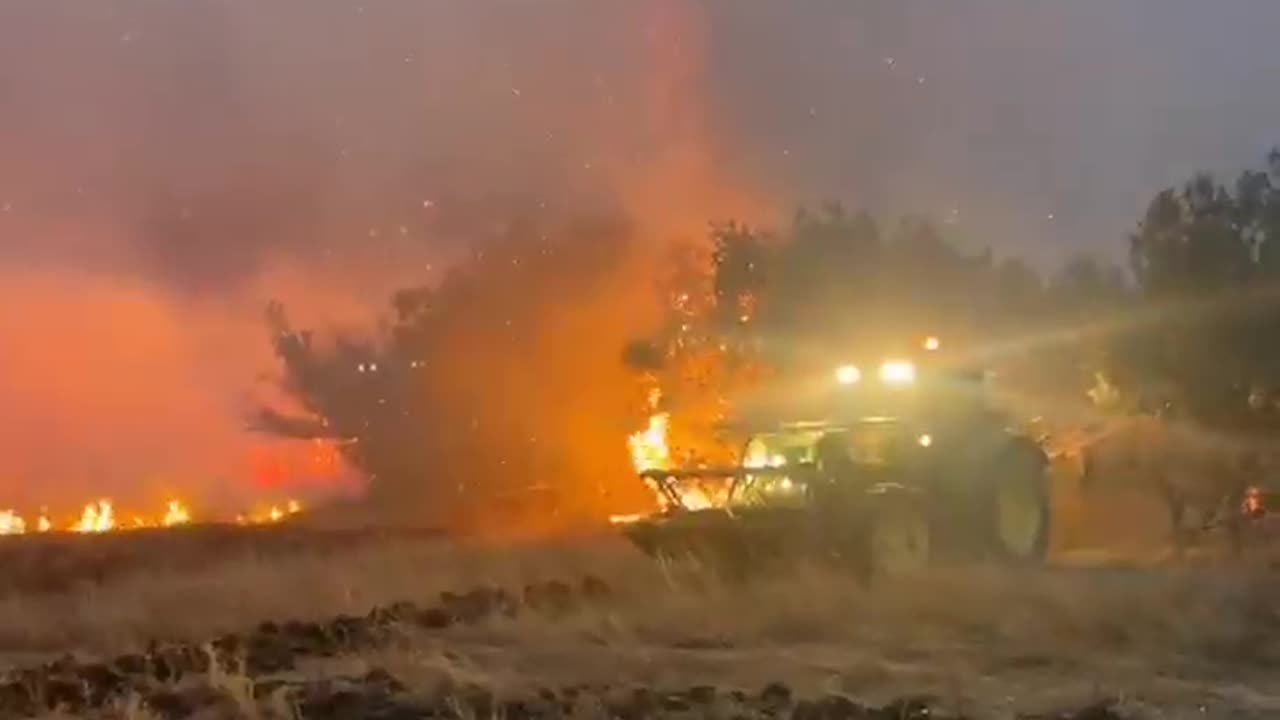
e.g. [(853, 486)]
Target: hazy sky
[(166, 166), (1008, 111)]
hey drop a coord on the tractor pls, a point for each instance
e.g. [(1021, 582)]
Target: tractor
[(890, 466)]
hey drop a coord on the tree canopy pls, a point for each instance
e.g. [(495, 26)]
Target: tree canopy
[(528, 366), (495, 391), (1205, 260)]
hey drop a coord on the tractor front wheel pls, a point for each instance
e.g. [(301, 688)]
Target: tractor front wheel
[(897, 537), (1020, 506)]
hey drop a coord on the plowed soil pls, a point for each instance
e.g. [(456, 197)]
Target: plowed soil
[(216, 623)]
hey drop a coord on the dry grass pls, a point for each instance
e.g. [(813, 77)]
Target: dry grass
[(231, 593), (1168, 640)]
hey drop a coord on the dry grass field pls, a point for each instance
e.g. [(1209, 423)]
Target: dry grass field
[(635, 639)]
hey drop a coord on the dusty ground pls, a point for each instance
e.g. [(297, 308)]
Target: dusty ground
[(1191, 642)]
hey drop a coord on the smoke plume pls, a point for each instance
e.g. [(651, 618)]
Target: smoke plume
[(166, 168)]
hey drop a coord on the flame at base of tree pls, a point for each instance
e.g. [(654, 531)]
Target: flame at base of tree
[(697, 365), (650, 451)]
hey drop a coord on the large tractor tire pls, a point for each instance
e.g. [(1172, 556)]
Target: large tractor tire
[(1019, 506)]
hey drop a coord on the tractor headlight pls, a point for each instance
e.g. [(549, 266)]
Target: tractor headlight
[(898, 372), (848, 375)]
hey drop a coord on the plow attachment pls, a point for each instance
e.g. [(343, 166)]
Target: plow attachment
[(708, 516), (763, 518)]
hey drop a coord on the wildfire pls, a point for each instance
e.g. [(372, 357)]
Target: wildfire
[(650, 451), (177, 514), (272, 514), (695, 498), (96, 518), (101, 517), (11, 523)]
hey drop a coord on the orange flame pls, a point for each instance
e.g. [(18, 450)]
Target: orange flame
[(11, 523), (650, 451), (272, 514), (101, 517), (177, 514), (96, 518)]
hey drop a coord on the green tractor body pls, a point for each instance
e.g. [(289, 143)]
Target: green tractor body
[(906, 467)]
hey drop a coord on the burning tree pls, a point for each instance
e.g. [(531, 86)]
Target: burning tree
[(704, 353), (495, 397)]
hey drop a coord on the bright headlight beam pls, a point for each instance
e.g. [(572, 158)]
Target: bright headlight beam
[(848, 375), (898, 372)]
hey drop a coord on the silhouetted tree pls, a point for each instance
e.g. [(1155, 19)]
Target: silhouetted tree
[(1206, 262)]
